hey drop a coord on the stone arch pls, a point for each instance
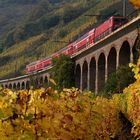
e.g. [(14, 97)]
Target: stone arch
[(36, 82), (135, 51), (78, 76), (6, 86), (41, 81), (101, 71), (124, 53), (14, 86), (18, 86), (27, 85), (45, 81), (10, 86), (92, 71), (112, 60), (23, 85), (84, 75)]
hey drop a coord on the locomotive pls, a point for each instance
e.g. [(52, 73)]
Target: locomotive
[(89, 38)]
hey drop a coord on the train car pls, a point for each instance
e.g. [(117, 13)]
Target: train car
[(81, 42), (54, 55), (104, 29), (38, 66), (70, 49), (91, 36), (64, 51), (118, 21), (84, 41), (31, 67), (108, 26), (46, 62), (43, 63)]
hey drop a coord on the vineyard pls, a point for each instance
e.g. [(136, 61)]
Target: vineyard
[(48, 114)]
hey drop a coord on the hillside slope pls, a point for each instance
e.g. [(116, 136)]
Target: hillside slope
[(13, 12), (32, 36)]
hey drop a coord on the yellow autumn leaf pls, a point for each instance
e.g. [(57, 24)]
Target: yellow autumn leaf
[(52, 81), (136, 3)]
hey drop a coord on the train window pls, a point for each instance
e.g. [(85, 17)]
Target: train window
[(123, 20), (99, 36), (87, 44), (102, 35), (110, 30), (81, 47), (73, 48), (106, 32), (116, 20), (120, 20)]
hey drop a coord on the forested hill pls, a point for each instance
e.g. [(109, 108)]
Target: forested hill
[(27, 27), (15, 14)]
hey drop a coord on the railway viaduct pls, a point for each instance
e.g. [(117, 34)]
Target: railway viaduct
[(94, 63), (23, 82)]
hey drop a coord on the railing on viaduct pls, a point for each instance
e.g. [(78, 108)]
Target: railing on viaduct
[(40, 78), (94, 63)]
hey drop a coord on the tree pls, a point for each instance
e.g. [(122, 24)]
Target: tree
[(63, 71), (118, 80)]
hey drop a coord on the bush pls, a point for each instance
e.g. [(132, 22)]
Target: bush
[(48, 114), (118, 80), (63, 71)]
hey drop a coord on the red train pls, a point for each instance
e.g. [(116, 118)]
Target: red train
[(87, 39)]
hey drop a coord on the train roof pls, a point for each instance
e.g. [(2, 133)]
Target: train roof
[(62, 49), (82, 37), (33, 63), (48, 57)]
